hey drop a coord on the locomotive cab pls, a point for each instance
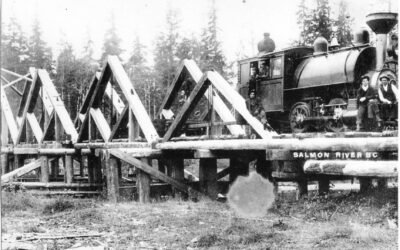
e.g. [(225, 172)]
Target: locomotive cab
[(269, 74)]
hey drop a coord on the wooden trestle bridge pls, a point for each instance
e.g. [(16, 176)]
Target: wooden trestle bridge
[(43, 148)]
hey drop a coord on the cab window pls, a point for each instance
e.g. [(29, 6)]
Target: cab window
[(276, 67), (264, 69)]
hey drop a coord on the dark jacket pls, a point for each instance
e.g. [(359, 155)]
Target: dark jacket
[(389, 94), (369, 95)]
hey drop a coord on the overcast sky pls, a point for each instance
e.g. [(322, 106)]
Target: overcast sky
[(241, 22)]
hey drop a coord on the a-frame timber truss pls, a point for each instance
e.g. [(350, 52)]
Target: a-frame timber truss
[(93, 118), (188, 68), (129, 149), (212, 81), (41, 134), (54, 123)]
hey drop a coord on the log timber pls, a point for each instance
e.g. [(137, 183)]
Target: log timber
[(320, 144), (352, 168)]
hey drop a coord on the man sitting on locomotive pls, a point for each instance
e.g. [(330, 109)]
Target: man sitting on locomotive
[(367, 102), (388, 95)]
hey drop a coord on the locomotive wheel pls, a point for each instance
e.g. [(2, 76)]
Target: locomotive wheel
[(298, 113), (336, 125)]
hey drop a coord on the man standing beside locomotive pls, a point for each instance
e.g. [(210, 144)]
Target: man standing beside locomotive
[(388, 95), (254, 105), (367, 102)]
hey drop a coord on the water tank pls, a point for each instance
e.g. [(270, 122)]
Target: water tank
[(266, 45), (320, 45), (361, 37)]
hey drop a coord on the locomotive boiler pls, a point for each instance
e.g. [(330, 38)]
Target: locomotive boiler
[(307, 88)]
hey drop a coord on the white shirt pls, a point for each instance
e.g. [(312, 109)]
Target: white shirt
[(394, 89)]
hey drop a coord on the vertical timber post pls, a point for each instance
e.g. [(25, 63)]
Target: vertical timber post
[(302, 183), (97, 170), (382, 183), (69, 169), (323, 186), (143, 181), (18, 161), (44, 169), (112, 179), (208, 177), (83, 160), (239, 167), (4, 163), (264, 167), (4, 142), (365, 183), (91, 164), (177, 172), (54, 168)]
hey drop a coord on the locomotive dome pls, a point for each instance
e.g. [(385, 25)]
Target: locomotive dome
[(320, 45), (361, 37)]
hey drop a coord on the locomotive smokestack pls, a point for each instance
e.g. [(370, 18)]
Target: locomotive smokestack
[(381, 23)]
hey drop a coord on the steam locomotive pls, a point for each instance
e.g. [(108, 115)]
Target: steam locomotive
[(307, 88)]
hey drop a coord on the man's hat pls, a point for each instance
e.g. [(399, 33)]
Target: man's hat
[(384, 76), (364, 77)]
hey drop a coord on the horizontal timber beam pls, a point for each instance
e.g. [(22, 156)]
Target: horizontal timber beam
[(323, 144), (352, 168)]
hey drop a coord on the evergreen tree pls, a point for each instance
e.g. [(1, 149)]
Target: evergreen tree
[(40, 56), (14, 48), (211, 54), (165, 60), (189, 48), (314, 22), (112, 41), (304, 21), (343, 23), (88, 48), (72, 78)]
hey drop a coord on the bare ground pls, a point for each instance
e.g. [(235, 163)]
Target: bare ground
[(342, 220)]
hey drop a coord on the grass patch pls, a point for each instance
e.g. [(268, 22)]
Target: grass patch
[(207, 240), (60, 204), (18, 201), (369, 234), (337, 233), (32, 228)]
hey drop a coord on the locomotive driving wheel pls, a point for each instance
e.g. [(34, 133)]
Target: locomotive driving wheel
[(336, 124), (297, 117)]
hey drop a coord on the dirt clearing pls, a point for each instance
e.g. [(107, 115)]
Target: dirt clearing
[(342, 220)]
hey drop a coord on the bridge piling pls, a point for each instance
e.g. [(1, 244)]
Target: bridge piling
[(143, 181), (208, 177), (44, 169)]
